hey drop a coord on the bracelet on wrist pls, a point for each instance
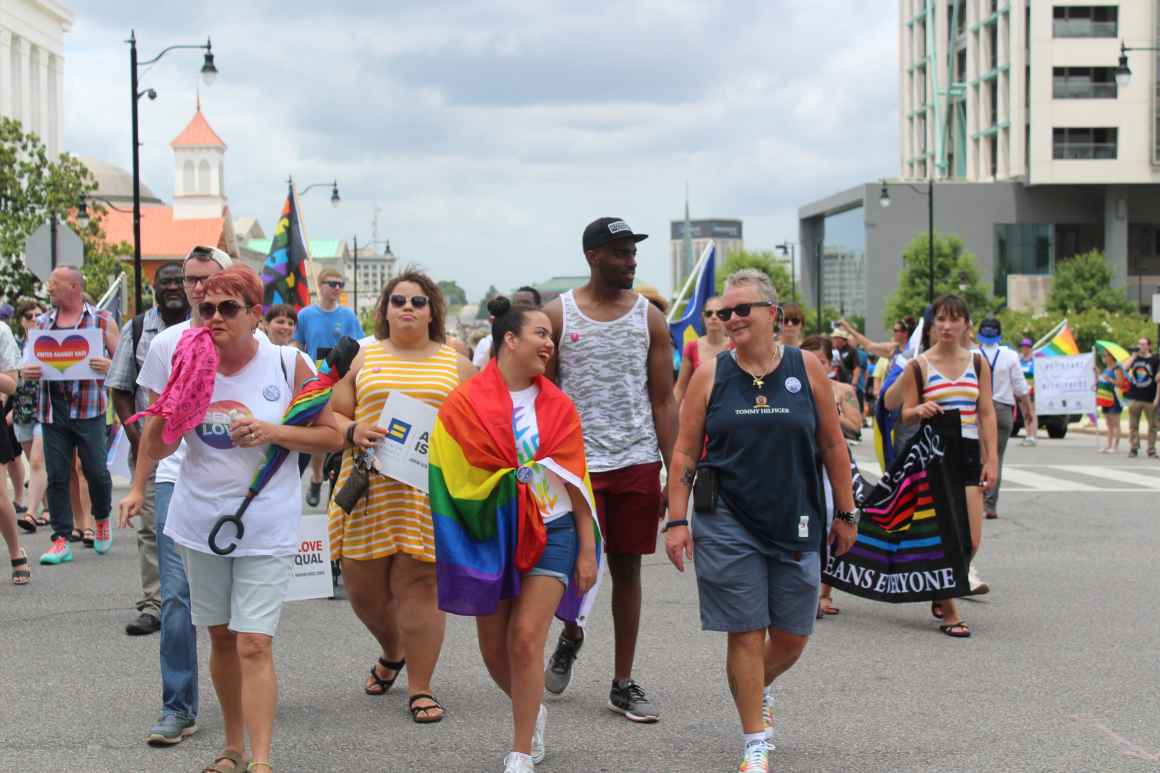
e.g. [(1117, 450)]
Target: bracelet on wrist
[(674, 523), (350, 433)]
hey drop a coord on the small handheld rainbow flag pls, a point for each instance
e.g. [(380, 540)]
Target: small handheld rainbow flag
[(1057, 343)]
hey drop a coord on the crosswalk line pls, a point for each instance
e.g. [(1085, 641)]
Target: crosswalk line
[(1021, 476), (1112, 473)]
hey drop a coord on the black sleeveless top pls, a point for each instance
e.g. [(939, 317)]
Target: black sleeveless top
[(762, 443)]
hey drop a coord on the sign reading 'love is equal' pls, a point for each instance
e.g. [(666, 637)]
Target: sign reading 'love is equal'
[(63, 355)]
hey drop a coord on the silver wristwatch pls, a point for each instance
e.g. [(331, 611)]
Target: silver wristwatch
[(849, 517)]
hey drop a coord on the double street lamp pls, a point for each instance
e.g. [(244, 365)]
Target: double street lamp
[(208, 75), (884, 202)]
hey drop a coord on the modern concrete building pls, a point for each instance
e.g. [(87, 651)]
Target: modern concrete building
[(32, 66), (726, 233), (1037, 150)]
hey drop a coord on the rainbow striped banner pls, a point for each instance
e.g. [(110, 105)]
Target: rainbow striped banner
[(914, 538), (1059, 342)]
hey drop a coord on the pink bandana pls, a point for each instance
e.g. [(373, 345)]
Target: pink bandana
[(190, 387)]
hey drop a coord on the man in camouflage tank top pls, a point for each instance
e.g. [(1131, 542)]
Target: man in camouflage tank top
[(614, 359)]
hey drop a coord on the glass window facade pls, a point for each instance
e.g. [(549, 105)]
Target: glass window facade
[(844, 263), (1085, 21), (1084, 143), (1021, 248), (1084, 83)]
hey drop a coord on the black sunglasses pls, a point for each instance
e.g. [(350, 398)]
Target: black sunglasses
[(417, 301), (726, 313), (790, 321), (335, 283), (228, 309)]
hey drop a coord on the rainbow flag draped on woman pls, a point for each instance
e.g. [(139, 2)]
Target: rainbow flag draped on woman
[(488, 527)]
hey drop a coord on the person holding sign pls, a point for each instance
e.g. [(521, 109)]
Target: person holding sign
[(225, 398), (72, 412), (386, 541), (949, 376), (769, 414), (525, 440)]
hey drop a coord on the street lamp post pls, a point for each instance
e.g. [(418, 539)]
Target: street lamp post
[(790, 248), (884, 202), (1123, 71), (208, 74), (335, 200)]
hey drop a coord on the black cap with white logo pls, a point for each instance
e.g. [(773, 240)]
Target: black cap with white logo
[(608, 229)]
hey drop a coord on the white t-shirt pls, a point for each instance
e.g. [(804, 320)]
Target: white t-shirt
[(216, 473), (1007, 382), (549, 490), (482, 352)]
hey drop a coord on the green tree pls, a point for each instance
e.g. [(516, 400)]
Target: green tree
[(491, 293), (954, 272), (33, 188), (1084, 282), (767, 262), (453, 293)]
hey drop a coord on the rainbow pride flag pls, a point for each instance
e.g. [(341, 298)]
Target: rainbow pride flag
[(488, 526), (1059, 342), (913, 539)]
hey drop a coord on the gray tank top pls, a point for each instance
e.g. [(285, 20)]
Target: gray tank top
[(604, 369)]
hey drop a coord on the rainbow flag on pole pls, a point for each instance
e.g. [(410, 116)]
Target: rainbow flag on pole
[(284, 274), (488, 525), (1057, 343)]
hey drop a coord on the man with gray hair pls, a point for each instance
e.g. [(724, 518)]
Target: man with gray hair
[(72, 415)]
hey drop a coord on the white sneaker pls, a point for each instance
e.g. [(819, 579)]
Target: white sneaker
[(538, 751), (518, 763), (978, 587), (755, 759), (769, 718)]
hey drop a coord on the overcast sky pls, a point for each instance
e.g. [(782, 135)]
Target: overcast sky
[(490, 133)]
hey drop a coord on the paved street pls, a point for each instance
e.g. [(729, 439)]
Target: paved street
[(1061, 675)]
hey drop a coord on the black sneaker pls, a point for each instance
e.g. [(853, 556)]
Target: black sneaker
[(628, 698), (314, 496), (559, 670), (1133, 453), (144, 625)]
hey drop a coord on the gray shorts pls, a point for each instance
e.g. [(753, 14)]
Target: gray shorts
[(745, 585), (245, 592), (25, 432)]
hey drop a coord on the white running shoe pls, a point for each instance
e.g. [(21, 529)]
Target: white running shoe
[(518, 763), (978, 587), (538, 751), (755, 759), (769, 718)]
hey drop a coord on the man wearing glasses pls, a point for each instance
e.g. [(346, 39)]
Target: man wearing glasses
[(170, 308), (320, 326)]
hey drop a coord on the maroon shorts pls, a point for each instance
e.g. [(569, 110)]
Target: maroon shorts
[(628, 505)]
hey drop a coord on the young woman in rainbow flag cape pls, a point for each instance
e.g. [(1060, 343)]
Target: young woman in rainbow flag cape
[(516, 536)]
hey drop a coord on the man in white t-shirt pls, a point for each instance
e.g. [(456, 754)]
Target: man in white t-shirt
[(178, 636), (1007, 386)]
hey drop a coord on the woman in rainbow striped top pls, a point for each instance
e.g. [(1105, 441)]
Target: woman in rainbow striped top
[(953, 378)]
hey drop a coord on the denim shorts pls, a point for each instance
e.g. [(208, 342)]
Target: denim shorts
[(745, 584), (244, 593), (559, 556), (26, 432)]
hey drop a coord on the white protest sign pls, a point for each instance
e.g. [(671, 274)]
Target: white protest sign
[(402, 454), (63, 355), (310, 576), (1064, 385), (118, 456)]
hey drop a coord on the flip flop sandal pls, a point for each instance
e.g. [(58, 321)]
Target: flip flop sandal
[(233, 757), (28, 523), (76, 535), (385, 685), (42, 520), (89, 537), (936, 610), (957, 630), (424, 710), (20, 573), (829, 608)]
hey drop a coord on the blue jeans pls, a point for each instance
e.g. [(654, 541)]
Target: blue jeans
[(87, 438), (178, 636)]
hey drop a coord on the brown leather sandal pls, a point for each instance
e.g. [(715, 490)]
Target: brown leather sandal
[(226, 756)]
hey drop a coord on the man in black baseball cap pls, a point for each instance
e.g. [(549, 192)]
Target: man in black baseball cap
[(610, 247), (608, 229)]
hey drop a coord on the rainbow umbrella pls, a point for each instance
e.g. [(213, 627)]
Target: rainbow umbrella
[(303, 410), (1118, 352)]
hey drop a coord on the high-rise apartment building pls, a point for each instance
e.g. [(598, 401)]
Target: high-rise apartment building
[(726, 233), (1037, 145)]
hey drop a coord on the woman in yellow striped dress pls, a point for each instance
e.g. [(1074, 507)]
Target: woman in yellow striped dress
[(386, 544)]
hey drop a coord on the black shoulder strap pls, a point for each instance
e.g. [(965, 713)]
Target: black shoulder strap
[(918, 380)]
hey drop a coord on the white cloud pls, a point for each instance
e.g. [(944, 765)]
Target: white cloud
[(490, 133)]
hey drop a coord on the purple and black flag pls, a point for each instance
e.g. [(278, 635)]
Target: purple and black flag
[(284, 275)]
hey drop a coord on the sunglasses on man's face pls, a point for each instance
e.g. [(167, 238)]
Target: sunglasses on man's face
[(726, 313), (228, 309), (417, 301), (335, 283)]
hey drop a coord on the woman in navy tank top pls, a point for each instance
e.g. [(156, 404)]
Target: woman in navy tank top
[(768, 414)]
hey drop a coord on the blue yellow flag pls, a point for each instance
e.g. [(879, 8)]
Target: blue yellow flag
[(691, 325)]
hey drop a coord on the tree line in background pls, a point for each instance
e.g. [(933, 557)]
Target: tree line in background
[(1081, 292)]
